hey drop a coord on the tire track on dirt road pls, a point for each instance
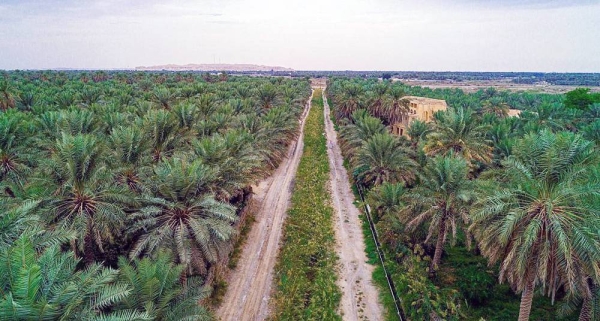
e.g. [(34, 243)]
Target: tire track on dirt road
[(250, 284), (360, 297)]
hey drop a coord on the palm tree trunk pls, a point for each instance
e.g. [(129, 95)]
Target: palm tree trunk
[(526, 300), (88, 248), (439, 248)]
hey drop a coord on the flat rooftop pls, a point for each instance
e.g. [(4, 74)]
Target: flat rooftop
[(424, 99)]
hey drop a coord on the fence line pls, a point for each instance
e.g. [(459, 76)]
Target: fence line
[(380, 253)]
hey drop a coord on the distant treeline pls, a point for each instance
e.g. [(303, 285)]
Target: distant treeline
[(571, 79), (567, 79)]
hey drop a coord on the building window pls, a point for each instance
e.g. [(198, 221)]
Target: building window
[(401, 132)]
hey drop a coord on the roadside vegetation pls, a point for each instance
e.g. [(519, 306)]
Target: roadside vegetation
[(306, 287), (120, 192), (481, 216)]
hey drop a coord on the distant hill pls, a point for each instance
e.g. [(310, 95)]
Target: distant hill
[(214, 67)]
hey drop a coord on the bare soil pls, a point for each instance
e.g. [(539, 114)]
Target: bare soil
[(250, 284), (472, 86), (360, 298)]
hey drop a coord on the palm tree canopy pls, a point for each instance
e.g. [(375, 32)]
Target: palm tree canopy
[(362, 128), (181, 216), (383, 159), (442, 197), (156, 289), (543, 225), (458, 131)]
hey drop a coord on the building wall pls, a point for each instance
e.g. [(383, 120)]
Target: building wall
[(421, 108)]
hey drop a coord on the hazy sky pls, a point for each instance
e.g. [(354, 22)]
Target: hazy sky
[(461, 35)]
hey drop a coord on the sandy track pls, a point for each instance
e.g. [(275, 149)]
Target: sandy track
[(249, 289), (360, 299)]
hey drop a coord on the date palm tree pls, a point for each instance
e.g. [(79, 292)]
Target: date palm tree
[(383, 159), (129, 148), (181, 216), (83, 201), (272, 134), (542, 227), (457, 131), (156, 289), (164, 97), (418, 131), (386, 199), (362, 128), (441, 200), (397, 108), (377, 105), (267, 94), (7, 98), (348, 101), (545, 115), (236, 163), (15, 154), (162, 131), (495, 106), (48, 286)]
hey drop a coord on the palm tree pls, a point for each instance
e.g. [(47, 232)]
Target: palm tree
[(541, 227), (592, 131), (15, 219), (65, 99), (441, 200), (181, 216), (236, 163), (457, 131), (377, 107), (397, 107), (78, 121), (496, 106), (129, 147), (15, 156), (7, 99), (545, 115), (156, 289), (383, 159), (267, 94), (187, 115), (26, 100), (162, 131), (83, 201), (362, 128), (386, 199), (349, 101), (48, 286), (90, 95), (272, 134), (164, 97), (417, 131)]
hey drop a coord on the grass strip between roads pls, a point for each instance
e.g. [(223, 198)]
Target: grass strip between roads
[(306, 277)]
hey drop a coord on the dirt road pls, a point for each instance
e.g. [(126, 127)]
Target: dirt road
[(360, 300), (249, 289)]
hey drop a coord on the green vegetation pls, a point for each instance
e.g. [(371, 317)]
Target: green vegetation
[(119, 192), (484, 216), (581, 98), (306, 288)]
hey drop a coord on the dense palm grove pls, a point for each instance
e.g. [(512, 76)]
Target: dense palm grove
[(481, 215), (120, 192)]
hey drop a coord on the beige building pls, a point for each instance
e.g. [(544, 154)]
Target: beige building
[(420, 108), (514, 113)]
